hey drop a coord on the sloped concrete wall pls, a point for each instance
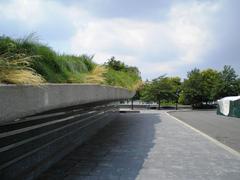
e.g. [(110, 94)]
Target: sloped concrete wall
[(18, 101), (32, 144)]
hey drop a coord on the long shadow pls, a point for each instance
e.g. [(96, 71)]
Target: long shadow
[(118, 151)]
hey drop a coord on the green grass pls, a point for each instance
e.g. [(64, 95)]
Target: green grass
[(48, 66), (124, 79)]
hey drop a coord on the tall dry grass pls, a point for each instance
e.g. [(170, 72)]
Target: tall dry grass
[(18, 71), (96, 76), (26, 61)]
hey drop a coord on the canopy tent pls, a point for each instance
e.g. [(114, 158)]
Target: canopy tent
[(229, 106)]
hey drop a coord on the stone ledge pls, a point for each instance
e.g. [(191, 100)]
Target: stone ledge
[(23, 100)]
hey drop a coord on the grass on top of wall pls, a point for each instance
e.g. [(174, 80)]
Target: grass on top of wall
[(26, 61), (129, 80)]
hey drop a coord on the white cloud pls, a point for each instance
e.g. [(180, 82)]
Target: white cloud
[(156, 47), (26, 11), (35, 13), (190, 24), (183, 38)]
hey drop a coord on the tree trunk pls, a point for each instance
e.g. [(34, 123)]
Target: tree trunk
[(176, 105), (132, 103), (159, 104)]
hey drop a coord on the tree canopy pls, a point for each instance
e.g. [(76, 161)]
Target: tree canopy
[(209, 85), (200, 87), (118, 65), (161, 89)]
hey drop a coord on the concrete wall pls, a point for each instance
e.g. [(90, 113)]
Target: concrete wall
[(18, 101), (30, 146)]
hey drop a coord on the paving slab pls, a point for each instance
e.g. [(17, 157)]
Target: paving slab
[(150, 145), (222, 128)]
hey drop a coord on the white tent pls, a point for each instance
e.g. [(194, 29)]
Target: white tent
[(229, 106)]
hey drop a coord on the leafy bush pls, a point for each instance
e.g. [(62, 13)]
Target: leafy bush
[(115, 64)]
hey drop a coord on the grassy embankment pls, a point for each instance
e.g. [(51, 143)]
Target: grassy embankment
[(25, 61)]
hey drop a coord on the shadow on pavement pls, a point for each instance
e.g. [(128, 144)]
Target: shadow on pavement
[(117, 151)]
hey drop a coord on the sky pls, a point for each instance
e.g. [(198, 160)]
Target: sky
[(160, 37)]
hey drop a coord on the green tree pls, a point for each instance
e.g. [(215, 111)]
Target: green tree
[(209, 85), (115, 64), (118, 65), (228, 84), (193, 88), (175, 89), (210, 81), (161, 89), (145, 93)]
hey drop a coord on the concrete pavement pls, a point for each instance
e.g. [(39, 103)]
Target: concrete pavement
[(222, 128), (147, 146)]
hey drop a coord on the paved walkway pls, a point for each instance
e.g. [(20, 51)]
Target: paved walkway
[(224, 129), (148, 146)]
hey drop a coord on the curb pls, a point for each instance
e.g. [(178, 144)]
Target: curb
[(225, 147)]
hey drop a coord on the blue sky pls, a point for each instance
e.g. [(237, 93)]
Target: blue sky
[(158, 36)]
